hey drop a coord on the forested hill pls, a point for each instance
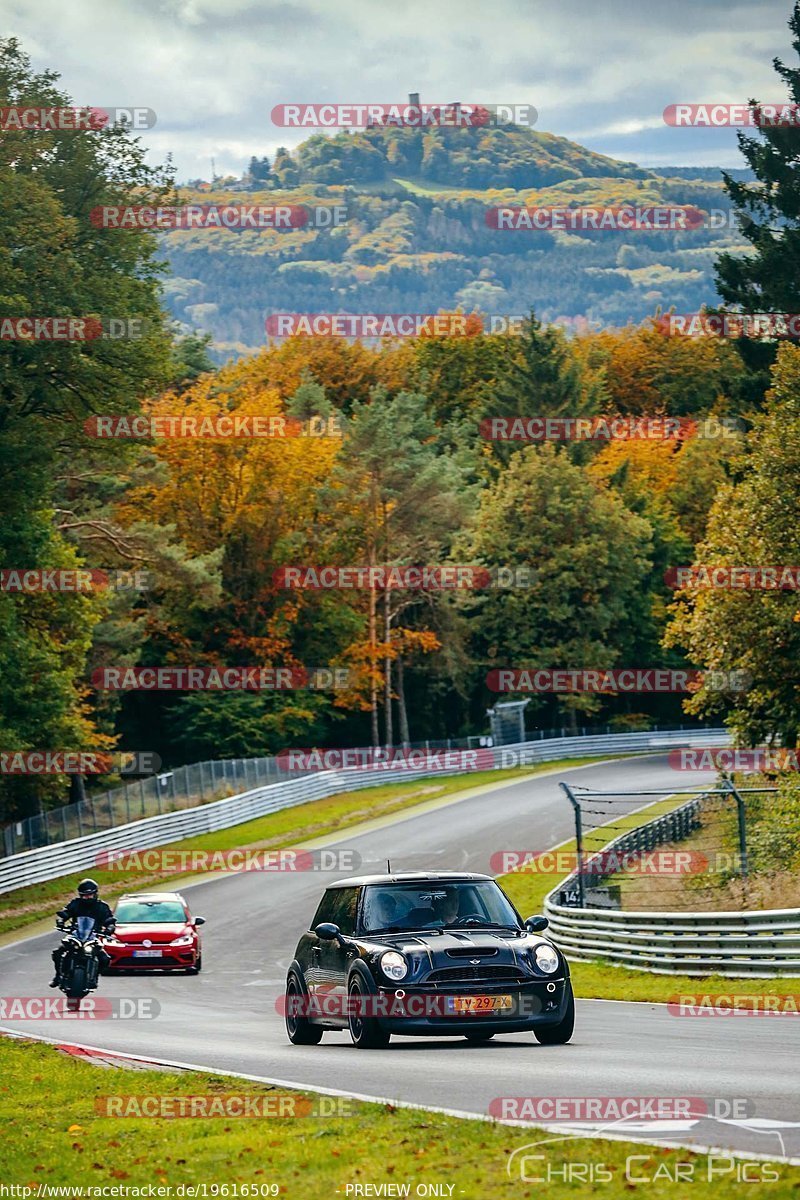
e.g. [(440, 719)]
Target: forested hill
[(416, 237), (505, 156)]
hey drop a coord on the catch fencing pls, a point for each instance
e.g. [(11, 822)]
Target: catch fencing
[(80, 853), (199, 783), (588, 924)]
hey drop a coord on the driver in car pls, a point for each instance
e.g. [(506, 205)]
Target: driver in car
[(445, 908), (86, 904)]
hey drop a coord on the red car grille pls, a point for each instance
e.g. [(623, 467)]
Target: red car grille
[(169, 960)]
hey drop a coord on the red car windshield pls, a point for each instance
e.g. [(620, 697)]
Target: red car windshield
[(150, 912)]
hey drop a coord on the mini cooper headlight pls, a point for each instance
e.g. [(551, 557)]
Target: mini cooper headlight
[(546, 958), (393, 965)]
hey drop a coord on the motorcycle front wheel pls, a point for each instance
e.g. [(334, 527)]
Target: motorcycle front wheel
[(77, 986)]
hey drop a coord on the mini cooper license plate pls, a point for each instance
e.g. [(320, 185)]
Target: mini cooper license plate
[(478, 1004), (147, 954)]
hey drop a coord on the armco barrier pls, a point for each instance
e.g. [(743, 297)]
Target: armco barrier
[(731, 944), (80, 854)]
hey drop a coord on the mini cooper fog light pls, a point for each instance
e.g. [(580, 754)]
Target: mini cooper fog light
[(546, 958), (393, 965)]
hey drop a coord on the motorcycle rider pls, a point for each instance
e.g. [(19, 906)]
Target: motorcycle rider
[(86, 904)]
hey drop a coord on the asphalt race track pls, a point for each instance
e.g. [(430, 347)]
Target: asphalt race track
[(226, 1018)]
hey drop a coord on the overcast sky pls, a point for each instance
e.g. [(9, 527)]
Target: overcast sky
[(599, 71)]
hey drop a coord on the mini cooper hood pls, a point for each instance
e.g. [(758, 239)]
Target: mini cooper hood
[(453, 947)]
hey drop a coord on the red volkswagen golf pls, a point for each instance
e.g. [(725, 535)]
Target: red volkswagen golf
[(155, 931)]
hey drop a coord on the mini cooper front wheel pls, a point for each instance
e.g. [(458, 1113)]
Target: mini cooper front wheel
[(364, 1029), (298, 1027), (557, 1035)]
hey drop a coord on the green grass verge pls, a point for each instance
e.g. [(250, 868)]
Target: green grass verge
[(602, 981), (53, 1135), (288, 827)]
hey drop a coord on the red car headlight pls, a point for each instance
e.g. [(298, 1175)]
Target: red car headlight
[(186, 939)]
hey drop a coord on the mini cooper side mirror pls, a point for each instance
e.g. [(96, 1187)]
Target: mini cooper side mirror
[(199, 920), (326, 931), (536, 924)]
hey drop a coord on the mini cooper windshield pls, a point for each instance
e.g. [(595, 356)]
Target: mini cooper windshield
[(396, 908)]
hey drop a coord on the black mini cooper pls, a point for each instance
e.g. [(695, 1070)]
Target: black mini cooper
[(426, 954)]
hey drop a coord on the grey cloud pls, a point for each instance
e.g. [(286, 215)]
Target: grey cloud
[(213, 70)]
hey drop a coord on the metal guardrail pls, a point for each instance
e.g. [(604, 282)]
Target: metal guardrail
[(759, 944), (80, 854), (199, 783)]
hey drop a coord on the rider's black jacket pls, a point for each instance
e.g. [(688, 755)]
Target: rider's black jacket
[(103, 916)]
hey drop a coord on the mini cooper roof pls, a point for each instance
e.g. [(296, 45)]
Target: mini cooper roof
[(411, 877)]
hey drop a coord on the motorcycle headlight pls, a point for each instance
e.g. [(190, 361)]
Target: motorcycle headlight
[(546, 958), (393, 965), (185, 939)]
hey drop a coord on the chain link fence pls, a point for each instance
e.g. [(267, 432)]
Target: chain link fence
[(200, 783)]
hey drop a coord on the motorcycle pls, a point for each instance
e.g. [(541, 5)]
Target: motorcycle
[(80, 963)]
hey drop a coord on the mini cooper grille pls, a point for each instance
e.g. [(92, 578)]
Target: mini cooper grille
[(479, 974)]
